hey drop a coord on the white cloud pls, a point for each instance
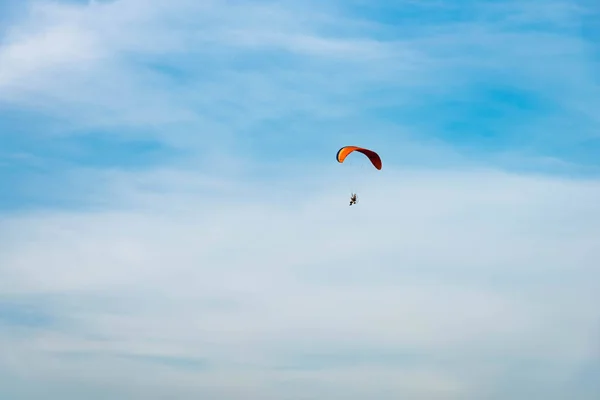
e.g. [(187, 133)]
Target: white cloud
[(432, 269)]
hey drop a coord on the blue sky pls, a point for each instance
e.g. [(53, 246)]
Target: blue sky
[(173, 221)]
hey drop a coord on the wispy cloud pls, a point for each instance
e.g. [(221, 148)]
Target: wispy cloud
[(174, 224), (192, 66)]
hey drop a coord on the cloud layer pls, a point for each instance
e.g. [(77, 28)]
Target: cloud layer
[(440, 285)]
